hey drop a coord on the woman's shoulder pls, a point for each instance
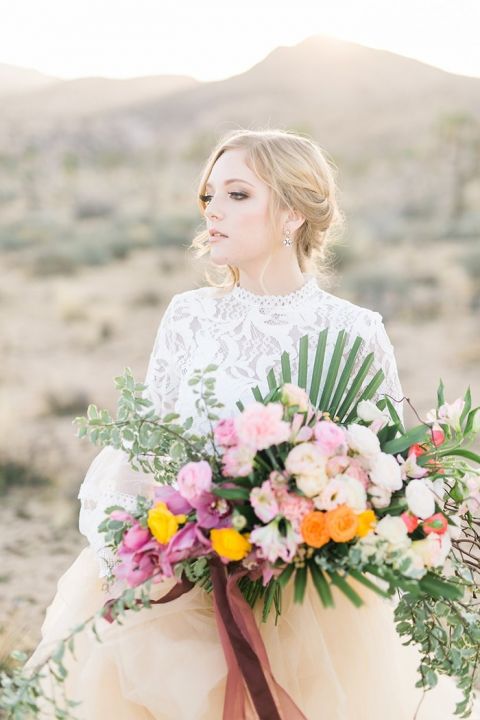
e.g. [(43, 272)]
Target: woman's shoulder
[(196, 296), (348, 310)]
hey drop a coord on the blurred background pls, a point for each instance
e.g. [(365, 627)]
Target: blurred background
[(107, 116)]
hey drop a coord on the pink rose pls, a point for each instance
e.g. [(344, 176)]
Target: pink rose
[(261, 426), (194, 478), (330, 437), (224, 432)]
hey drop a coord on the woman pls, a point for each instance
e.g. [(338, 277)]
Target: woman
[(268, 199)]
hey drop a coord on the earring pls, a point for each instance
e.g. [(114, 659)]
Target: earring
[(287, 240)]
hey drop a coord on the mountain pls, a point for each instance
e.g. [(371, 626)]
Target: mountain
[(15, 80), (69, 100)]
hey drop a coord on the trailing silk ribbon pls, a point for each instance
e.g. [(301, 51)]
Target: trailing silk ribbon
[(247, 660), (245, 653)]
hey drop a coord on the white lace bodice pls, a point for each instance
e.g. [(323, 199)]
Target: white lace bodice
[(245, 335)]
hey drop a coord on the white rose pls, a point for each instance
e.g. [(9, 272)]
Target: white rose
[(379, 496), (394, 530), (420, 499), (433, 549), (306, 459), (386, 472), (311, 485), (342, 489), (363, 440), (368, 411)]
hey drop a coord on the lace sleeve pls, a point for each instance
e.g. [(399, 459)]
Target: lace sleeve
[(379, 343), (110, 479)]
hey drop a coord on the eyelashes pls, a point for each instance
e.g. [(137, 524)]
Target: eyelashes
[(239, 195)]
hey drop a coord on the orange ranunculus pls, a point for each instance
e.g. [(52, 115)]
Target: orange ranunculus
[(314, 530), (366, 522), (342, 523)]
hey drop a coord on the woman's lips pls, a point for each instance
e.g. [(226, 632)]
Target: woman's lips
[(216, 238)]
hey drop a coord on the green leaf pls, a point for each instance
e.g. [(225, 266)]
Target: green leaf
[(371, 388), (333, 370), (354, 389), (300, 584), (357, 575), (462, 452), (342, 585), (318, 365), (303, 362), (286, 368), (439, 588), (237, 493), (321, 584), (468, 404), (271, 379), (345, 376), (257, 394), (285, 576), (414, 435), (440, 393)]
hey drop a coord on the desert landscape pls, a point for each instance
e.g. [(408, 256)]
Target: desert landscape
[(98, 184)]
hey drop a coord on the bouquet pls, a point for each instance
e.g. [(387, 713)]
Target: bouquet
[(297, 488)]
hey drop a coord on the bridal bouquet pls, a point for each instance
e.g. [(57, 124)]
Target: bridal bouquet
[(298, 488)]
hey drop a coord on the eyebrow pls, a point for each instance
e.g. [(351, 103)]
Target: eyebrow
[(230, 181)]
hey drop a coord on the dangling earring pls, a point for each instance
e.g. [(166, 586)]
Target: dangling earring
[(287, 240)]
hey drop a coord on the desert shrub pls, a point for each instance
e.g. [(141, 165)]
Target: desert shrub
[(53, 262), (75, 403), (148, 298), (14, 473)]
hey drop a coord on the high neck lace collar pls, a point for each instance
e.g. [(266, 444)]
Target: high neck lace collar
[(291, 300)]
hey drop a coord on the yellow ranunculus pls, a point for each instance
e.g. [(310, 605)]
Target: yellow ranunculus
[(163, 523), (229, 543), (366, 522)]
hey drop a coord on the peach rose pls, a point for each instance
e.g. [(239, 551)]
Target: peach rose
[(342, 523)]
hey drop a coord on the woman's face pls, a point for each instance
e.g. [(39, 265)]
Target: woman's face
[(239, 210)]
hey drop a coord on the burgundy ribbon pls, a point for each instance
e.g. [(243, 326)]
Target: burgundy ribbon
[(247, 660), (249, 672)]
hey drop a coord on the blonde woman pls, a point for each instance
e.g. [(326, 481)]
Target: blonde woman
[(268, 198)]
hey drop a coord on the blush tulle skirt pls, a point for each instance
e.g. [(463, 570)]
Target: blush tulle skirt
[(167, 662)]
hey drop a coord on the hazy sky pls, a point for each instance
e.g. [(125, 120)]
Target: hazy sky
[(214, 39)]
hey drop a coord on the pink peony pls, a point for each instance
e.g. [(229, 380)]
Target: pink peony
[(238, 461), (261, 426), (193, 479), (330, 437), (224, 432)]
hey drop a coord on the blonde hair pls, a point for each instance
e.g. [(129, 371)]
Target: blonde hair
[(301, 178)]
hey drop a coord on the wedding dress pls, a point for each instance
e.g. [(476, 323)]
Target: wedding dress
[(167, 662)]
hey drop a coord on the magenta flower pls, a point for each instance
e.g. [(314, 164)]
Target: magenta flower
[(175, 502), (135, 537), (187, 542), (212, 511), (136, 567)]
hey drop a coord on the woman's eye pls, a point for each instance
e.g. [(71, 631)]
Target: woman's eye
[(207, 198)]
